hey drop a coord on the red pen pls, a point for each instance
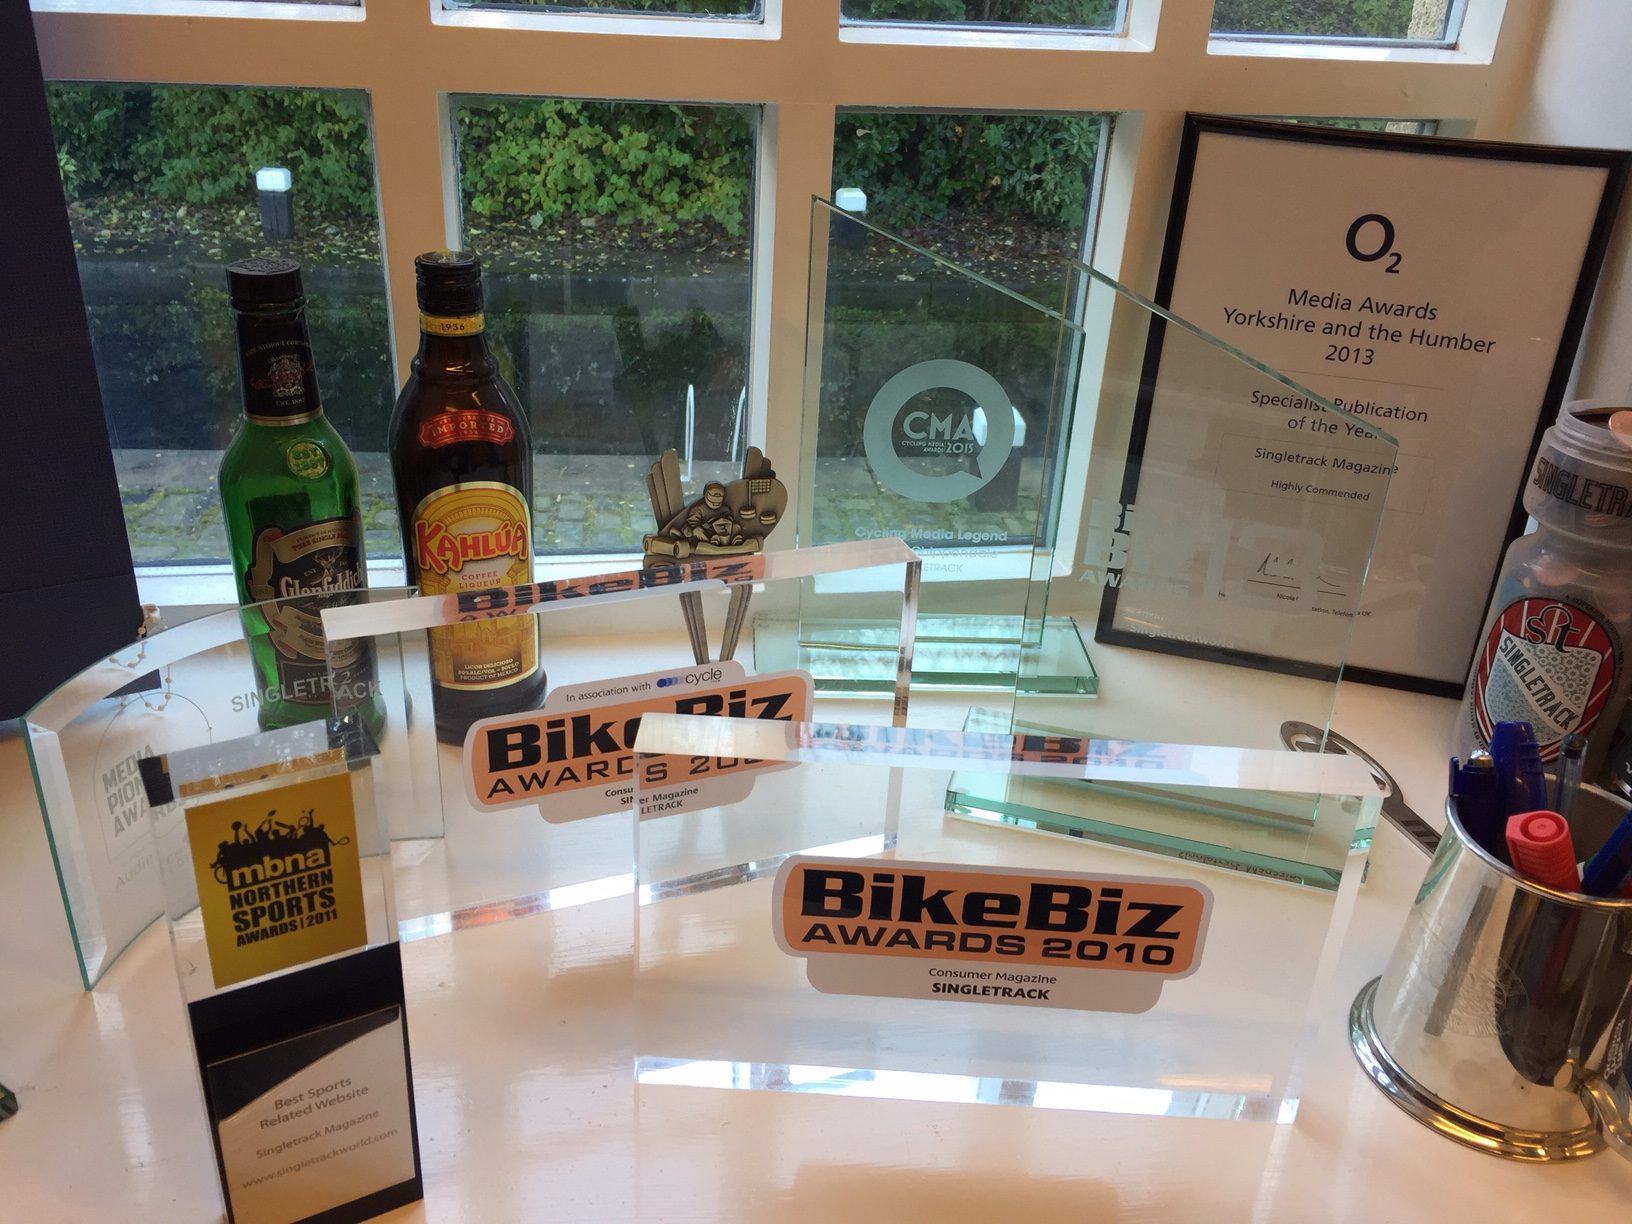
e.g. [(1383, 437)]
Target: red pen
[(1542, 850)]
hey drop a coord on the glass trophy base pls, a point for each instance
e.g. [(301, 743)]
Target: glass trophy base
[(858, 656), (1260, 833)]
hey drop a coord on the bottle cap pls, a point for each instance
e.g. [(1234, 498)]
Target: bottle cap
[(265, 280), (1542, 850), (449, 283)]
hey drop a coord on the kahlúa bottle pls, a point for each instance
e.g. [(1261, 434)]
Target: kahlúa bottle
[(1552, 649), (288, 490), (461, 454)]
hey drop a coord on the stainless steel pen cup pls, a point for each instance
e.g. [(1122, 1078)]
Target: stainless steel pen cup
[(1502, 1018)]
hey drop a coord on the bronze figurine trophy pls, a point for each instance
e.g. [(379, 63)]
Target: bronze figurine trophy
[(728, 520)]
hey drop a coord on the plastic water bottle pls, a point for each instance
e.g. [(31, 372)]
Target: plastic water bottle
[(1552, 649)]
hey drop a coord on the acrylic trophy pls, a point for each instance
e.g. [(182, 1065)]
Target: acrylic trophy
[(836, 933)]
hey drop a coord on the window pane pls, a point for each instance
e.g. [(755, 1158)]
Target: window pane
[(161, 195), (1052, 14), (702, 8), (1413, 20), (615, 239), (1004, 196)]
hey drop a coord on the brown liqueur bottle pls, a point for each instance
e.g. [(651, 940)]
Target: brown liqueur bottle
[(461, 454)]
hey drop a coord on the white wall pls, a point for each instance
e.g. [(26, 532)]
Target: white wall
[(1581, 94)]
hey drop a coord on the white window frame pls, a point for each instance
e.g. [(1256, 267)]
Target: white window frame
[(800, 65)]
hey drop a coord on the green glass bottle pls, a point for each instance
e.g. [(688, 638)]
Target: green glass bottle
[(289, 493)]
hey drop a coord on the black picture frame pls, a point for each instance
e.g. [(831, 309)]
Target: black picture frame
[(1614, 164)]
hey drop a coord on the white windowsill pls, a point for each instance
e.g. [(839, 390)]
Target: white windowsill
[(205, 8)]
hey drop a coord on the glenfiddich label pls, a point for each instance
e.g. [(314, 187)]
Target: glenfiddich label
[(470, 537), (321, 558), (280, 383)]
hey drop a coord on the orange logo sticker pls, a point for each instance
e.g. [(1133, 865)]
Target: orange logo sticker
[(989, 935), (576, 757)]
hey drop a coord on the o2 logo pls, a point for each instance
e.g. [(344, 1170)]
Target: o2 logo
[(1370, 238)]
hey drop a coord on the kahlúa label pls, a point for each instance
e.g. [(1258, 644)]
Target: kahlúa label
[(576, 757), (470, 537), (988, 935), (1546, 662)]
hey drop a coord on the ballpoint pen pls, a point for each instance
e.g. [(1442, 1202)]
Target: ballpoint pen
[(1609, 867), (1479, 803), (1572, 759), (1518, 768)]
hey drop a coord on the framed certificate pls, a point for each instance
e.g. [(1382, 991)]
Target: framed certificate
[(1435, 289)]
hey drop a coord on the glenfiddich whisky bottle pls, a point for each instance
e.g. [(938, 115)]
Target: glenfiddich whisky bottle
[(289, 492), (462, 456)]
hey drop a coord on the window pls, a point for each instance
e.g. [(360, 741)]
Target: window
[(757, 105), (997, 14), (615, 243), (1430, 21), (161, 187)]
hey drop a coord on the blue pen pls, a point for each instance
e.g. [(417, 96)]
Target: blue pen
[(1479, 803), (1518, 768), (1608, 869), (1572, 760)]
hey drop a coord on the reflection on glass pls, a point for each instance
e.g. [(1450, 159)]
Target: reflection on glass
[(161, 187), (1006, 196), (1403, 127), (615, 242), (1003, 196), (1050, 14), (1405, 20), (689, 8)]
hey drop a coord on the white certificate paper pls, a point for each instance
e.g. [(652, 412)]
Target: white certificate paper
[(1433, 289)]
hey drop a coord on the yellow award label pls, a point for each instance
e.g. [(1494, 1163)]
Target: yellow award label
[(279, 879), (476, 536)]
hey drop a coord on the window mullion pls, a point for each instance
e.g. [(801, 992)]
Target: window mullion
[(798, 155), (418, 180)]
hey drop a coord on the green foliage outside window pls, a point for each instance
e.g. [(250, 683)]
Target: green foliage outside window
[(541, 160), (920, 166), (203, 145), (1316, 18), (1081, 14), (635, 162)]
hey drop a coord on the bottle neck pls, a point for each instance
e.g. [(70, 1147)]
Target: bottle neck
[(278, 378), (452, 344)]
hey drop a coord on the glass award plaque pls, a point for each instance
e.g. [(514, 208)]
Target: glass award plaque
[(206, 681), (833, 932), (529, 813), (1231, 516), (935, 407)]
